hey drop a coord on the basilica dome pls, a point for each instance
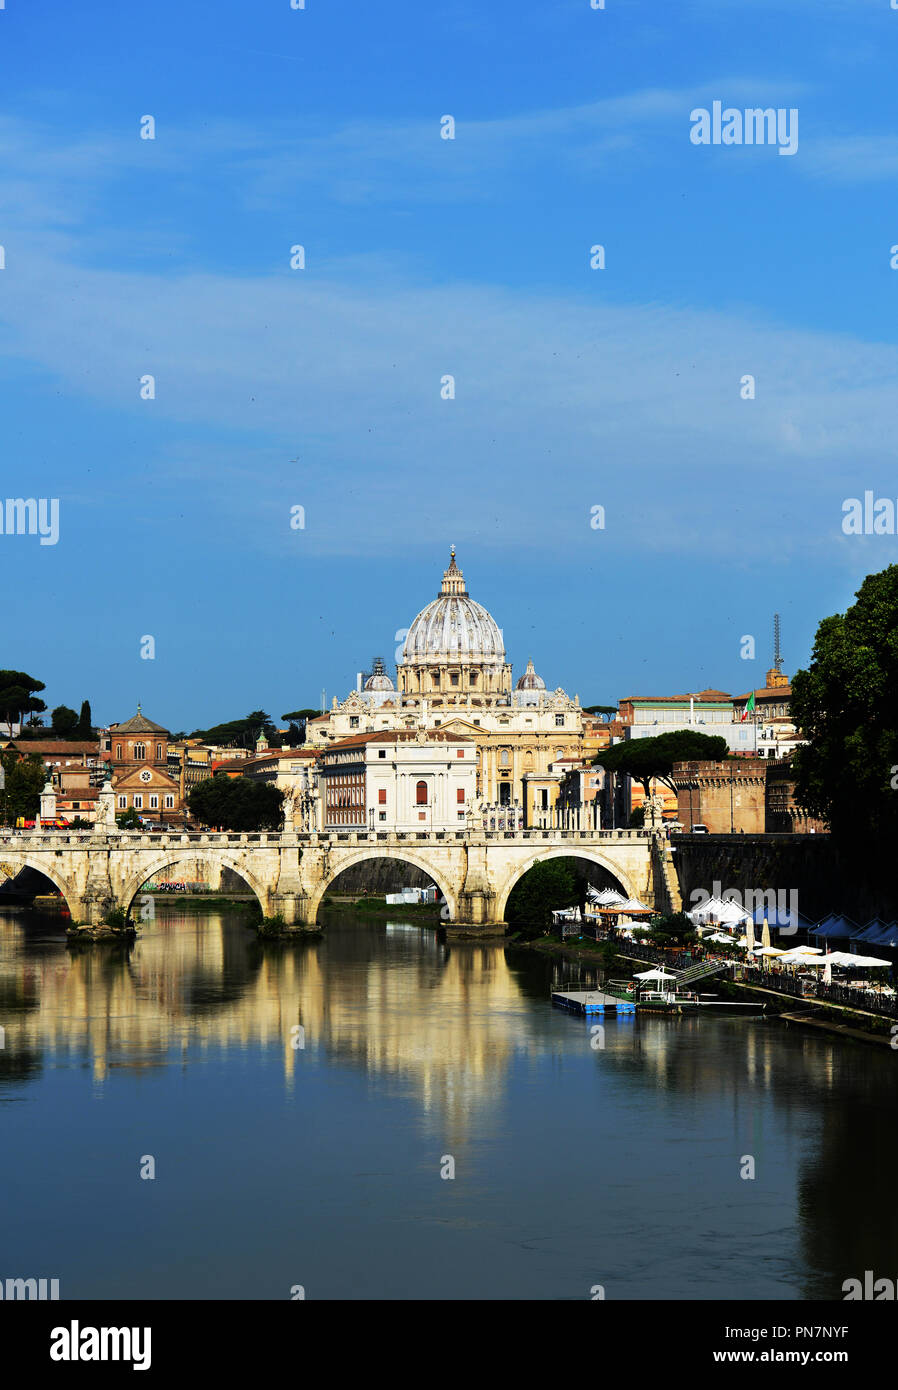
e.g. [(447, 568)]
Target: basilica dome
[(454, 629)]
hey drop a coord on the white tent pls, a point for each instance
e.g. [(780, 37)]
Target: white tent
[(868, 962), (655, 974), (605, 897), (722, 910), (719, 936)]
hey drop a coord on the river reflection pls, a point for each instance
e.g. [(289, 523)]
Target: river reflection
[(575, 1164)]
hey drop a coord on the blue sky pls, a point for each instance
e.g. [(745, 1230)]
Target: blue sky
[(320, 387)]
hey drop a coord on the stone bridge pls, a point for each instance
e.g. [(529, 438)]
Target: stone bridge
[(289, 872)]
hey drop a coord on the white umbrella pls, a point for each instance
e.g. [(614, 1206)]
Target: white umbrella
[(869, 962), (828, 973), (765, 934), (656, 974), (750, 934), (770, 951), (844, 958)]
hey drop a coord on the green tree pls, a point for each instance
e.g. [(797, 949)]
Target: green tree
[(85, 721), (300, 718), (236, 803), (607, 711), (673, 930), (18, 697), (542, 889), (128, 820), (65, 721), (25, 778), (239, 733), (845, 706), (648, 759)]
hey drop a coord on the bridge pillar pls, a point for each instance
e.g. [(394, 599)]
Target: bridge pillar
[(477, 902)]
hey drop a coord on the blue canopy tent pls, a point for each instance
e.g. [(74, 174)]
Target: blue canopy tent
[(886, 934), (835, 928), (871, 931), (781, 920)]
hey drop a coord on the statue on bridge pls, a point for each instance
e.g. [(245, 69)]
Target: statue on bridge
[(104, 822)]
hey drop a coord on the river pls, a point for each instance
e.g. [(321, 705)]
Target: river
[(304, 1105)]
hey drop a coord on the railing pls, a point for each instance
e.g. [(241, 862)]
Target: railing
[(130, 838), (816, 992)]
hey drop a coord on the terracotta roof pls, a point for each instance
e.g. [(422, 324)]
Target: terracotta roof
[(52, 745), (767, 692), (275, 757), (395, 736), (137, 724), (690, 695)]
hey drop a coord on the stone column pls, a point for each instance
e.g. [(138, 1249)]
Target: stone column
[(48, 802)]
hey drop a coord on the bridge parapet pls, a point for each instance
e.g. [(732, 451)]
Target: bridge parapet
[(289, 871)]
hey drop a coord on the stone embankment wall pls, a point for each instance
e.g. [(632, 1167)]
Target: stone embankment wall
[(808, 864)]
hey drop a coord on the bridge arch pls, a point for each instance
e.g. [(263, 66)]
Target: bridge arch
[(402, 856), (561, 852), (173, 858), (18, 862)]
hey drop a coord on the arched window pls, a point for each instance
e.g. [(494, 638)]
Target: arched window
[(503, 759), (421, 794), (140, 751)]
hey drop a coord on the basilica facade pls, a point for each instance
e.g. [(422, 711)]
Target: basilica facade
[(453, 676)]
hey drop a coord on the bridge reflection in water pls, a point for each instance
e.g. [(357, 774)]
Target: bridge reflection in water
[(195, 983), (566, 1148)]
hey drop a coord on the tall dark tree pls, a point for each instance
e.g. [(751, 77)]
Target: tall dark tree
[(648, 759), (65, 722), (846, 705), (25, 778), (236, 803), (85, 721), (547, 886), (300, 718), (18, 697)]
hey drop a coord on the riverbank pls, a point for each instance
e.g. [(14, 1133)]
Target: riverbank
[(839, 1020), (427, 913)]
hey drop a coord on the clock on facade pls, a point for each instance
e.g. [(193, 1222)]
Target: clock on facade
[(146, 775)]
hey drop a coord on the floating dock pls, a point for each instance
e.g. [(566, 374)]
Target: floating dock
[(592, 1001)]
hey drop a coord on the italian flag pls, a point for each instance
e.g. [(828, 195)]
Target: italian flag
[(749, 708)]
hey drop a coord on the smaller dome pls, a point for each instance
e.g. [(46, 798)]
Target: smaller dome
[(378, 680), (530, 680)]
